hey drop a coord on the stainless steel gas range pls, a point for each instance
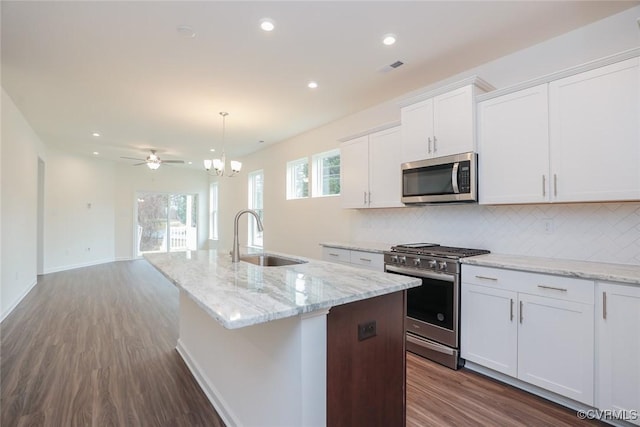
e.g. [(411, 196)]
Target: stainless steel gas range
[(433, 309)]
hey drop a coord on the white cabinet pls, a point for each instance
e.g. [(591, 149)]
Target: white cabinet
[(534, 327), (370, 168), (439, 126), (356, 258), (513, 146), (488, 328), (618, 348), (594, 121), (572, 139)]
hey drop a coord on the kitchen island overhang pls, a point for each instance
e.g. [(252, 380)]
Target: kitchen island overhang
[(255, 337)]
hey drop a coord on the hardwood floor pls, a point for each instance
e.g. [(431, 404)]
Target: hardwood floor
[(95, 347), (439, 396)]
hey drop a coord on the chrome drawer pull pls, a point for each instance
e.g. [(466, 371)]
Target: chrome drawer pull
[(487, 278), (544, 185), (604, 305), (365, 259), (511, 310), (552, 288), (333, 254), (521, 316)]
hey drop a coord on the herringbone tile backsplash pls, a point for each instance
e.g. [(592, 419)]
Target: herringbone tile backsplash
[(602, 232)]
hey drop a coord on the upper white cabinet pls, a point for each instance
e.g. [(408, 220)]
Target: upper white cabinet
[(370, 170), (594, 123), (534, 327), (442, 124), (572, 139), (618, 348), (513, 146)]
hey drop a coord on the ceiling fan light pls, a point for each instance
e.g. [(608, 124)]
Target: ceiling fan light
[(153, 165)]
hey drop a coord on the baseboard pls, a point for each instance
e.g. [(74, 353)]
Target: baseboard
[(125, 258), (18, 300), (209, 389), (79, 265)]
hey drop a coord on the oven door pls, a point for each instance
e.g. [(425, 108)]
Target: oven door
[(432, 309)]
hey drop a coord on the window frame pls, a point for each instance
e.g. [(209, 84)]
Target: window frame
[(292, 179), (255, 197), (317, 163)]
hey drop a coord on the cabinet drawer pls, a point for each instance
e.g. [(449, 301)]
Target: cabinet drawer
[(336, 255), (372, 260), (547, 285)]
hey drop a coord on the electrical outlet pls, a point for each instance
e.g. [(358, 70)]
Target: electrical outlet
[(366, 330), (548, 225)]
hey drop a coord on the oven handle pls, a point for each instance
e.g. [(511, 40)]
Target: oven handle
[(430, 346), (417, 273)]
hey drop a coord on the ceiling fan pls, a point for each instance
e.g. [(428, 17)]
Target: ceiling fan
[(153, 161)]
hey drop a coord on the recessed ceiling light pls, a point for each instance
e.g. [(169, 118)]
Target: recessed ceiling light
[(95, 134), (267, 24), (186, 31), (212, 149), (95, 153), (190, 163), (389, 39), (312, 84)]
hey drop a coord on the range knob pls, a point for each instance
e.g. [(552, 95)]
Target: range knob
[(442, 265), (432, 264), (403, 259), (416, 262), (394, 258)]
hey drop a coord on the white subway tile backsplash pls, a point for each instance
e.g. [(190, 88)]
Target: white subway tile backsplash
[(603, 232)]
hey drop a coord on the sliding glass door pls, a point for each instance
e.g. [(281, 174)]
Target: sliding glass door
[(166, 222)]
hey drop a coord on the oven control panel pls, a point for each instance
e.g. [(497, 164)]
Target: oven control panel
[(422, 263)]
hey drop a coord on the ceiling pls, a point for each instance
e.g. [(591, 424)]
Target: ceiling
[(124, 70)]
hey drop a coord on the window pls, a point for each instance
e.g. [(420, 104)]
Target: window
[(213, 211), (256, 191), (166, 222), (326, 173), (298, 179)]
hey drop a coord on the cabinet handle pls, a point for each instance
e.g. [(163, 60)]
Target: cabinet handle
[(486, 278), (365, 198), (604, 305), (511, 310), (365, 259), (521, 317), (369, 197), (544, 185), (330, 254), (552, 288), (435, 147), (429, 148), (555, 185)]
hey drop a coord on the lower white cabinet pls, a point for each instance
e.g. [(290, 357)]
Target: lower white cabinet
[(534, 327), (618, 349), (356, 258)]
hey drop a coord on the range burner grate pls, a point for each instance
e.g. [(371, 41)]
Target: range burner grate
[(431, 249)]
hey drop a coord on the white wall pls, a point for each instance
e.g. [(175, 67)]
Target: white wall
[(19, 187), (167, 179), (79, 211), (298, 226)]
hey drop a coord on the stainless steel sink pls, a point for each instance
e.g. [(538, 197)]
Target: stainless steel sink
[(266, 260)]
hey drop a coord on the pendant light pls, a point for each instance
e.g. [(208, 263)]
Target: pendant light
[(219, 165)]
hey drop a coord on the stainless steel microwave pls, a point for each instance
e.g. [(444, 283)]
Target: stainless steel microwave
[(441, 180)]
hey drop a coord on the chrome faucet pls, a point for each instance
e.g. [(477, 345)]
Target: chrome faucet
[(235, 255)]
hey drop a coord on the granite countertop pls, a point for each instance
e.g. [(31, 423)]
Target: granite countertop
[(374, 247), (243, 294), (621, 273)]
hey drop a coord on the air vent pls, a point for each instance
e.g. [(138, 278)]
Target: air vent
[(391, 67)]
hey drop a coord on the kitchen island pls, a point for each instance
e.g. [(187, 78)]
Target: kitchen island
[(308, 344)]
